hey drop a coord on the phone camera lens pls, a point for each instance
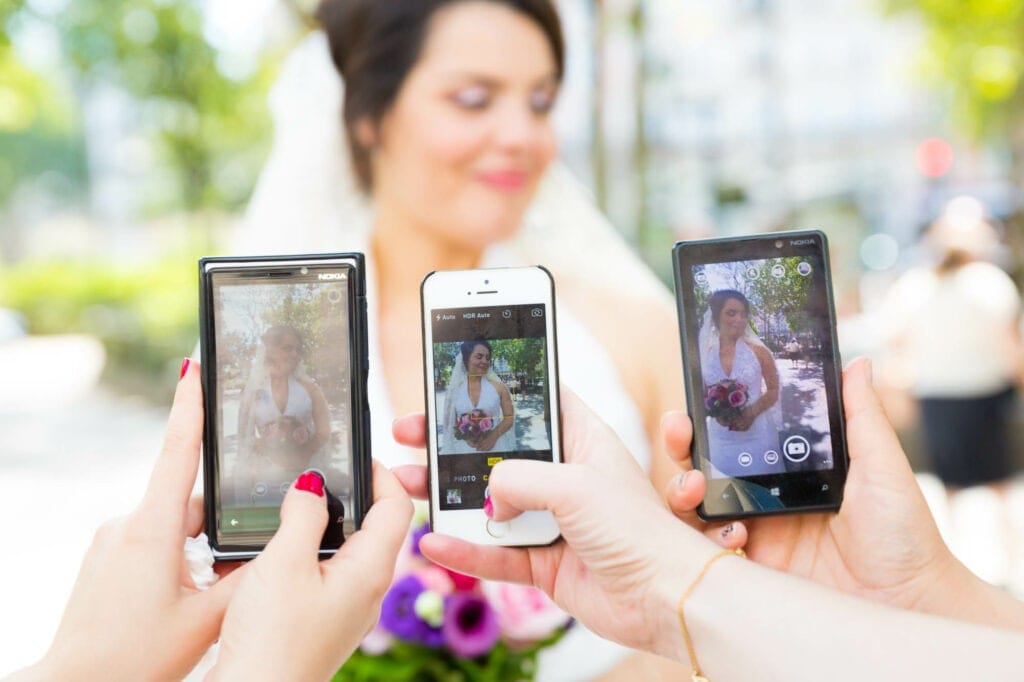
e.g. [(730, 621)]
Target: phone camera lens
[(778, 243)]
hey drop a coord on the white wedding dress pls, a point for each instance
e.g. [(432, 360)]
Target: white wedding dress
[(306, 201), (490, 402), (762, 437)]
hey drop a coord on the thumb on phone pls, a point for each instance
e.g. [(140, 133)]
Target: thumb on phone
[(303, 520), (520, 485)]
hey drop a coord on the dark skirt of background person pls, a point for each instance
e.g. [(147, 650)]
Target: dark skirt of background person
[(970, 440)]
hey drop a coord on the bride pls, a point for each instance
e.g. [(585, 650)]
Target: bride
[(747, 443), (439, 156), (472, 375)]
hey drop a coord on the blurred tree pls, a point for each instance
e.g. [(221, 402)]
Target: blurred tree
[(976, 48), (39, 129), (524, 356), (207, 113)]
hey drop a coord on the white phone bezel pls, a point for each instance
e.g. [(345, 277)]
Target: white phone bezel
[(486, 288)]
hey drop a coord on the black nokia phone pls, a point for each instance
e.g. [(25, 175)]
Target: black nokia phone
[(763, 374), (284, 358)]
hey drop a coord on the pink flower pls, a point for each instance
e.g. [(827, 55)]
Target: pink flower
[(737, 398), (436, 579), (270, 430), (525, 614), (486, 424), (463, 583), (300, 435), (717, 392)]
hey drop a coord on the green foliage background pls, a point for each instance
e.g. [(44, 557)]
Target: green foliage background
[(524, 356), (974, 51)]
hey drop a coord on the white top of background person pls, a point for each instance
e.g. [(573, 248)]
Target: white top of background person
[(462, 177), (953, 327)]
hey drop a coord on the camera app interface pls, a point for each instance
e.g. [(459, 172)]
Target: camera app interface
[(491, 395), (763, 343), (283, 383)]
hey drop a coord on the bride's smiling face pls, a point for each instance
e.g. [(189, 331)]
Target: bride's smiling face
[(468, 137), (732, 321), (479, 361)]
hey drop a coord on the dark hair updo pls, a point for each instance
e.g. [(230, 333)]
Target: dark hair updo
[(376, 43), (718, 299), (467, 349)]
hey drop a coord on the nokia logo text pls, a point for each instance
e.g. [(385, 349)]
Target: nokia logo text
[(800, 242), (330, 275)]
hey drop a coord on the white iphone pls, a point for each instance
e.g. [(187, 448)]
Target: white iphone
[(491, 382)]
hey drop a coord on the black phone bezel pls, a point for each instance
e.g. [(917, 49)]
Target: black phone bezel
[(556, 407), (362, 463), (800, 492)]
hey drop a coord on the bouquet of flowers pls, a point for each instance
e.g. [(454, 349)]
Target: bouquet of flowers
[(474, 425), (284, 434), (437, 625), (725, 400)]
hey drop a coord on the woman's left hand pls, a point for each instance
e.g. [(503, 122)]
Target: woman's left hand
[(134, 612), (883, 543)]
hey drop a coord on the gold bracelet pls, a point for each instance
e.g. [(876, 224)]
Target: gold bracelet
[(697, 675)]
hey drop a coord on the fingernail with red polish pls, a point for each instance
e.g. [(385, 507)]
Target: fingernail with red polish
[(488, 507), (184, 367), (311, 482)]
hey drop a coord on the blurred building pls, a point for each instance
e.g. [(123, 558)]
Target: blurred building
[(754, 114)]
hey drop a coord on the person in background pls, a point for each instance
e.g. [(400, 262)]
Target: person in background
[(953, 327)]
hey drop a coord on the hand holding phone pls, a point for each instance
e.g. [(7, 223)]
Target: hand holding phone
[(491, 381), (762, 371), (283, 341)]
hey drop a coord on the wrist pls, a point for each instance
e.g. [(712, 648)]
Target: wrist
[(676, 576), (955, 592)]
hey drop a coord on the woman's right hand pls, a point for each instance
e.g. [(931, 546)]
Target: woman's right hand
[(295, 617), (883, 542), (622, 551)]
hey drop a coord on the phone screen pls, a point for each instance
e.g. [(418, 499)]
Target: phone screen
[(491, 390), (762, 369), (283, 389)]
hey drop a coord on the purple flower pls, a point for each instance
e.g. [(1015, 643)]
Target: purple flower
[(737, 398), (470, 625), (417, 535), (398, 614)]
